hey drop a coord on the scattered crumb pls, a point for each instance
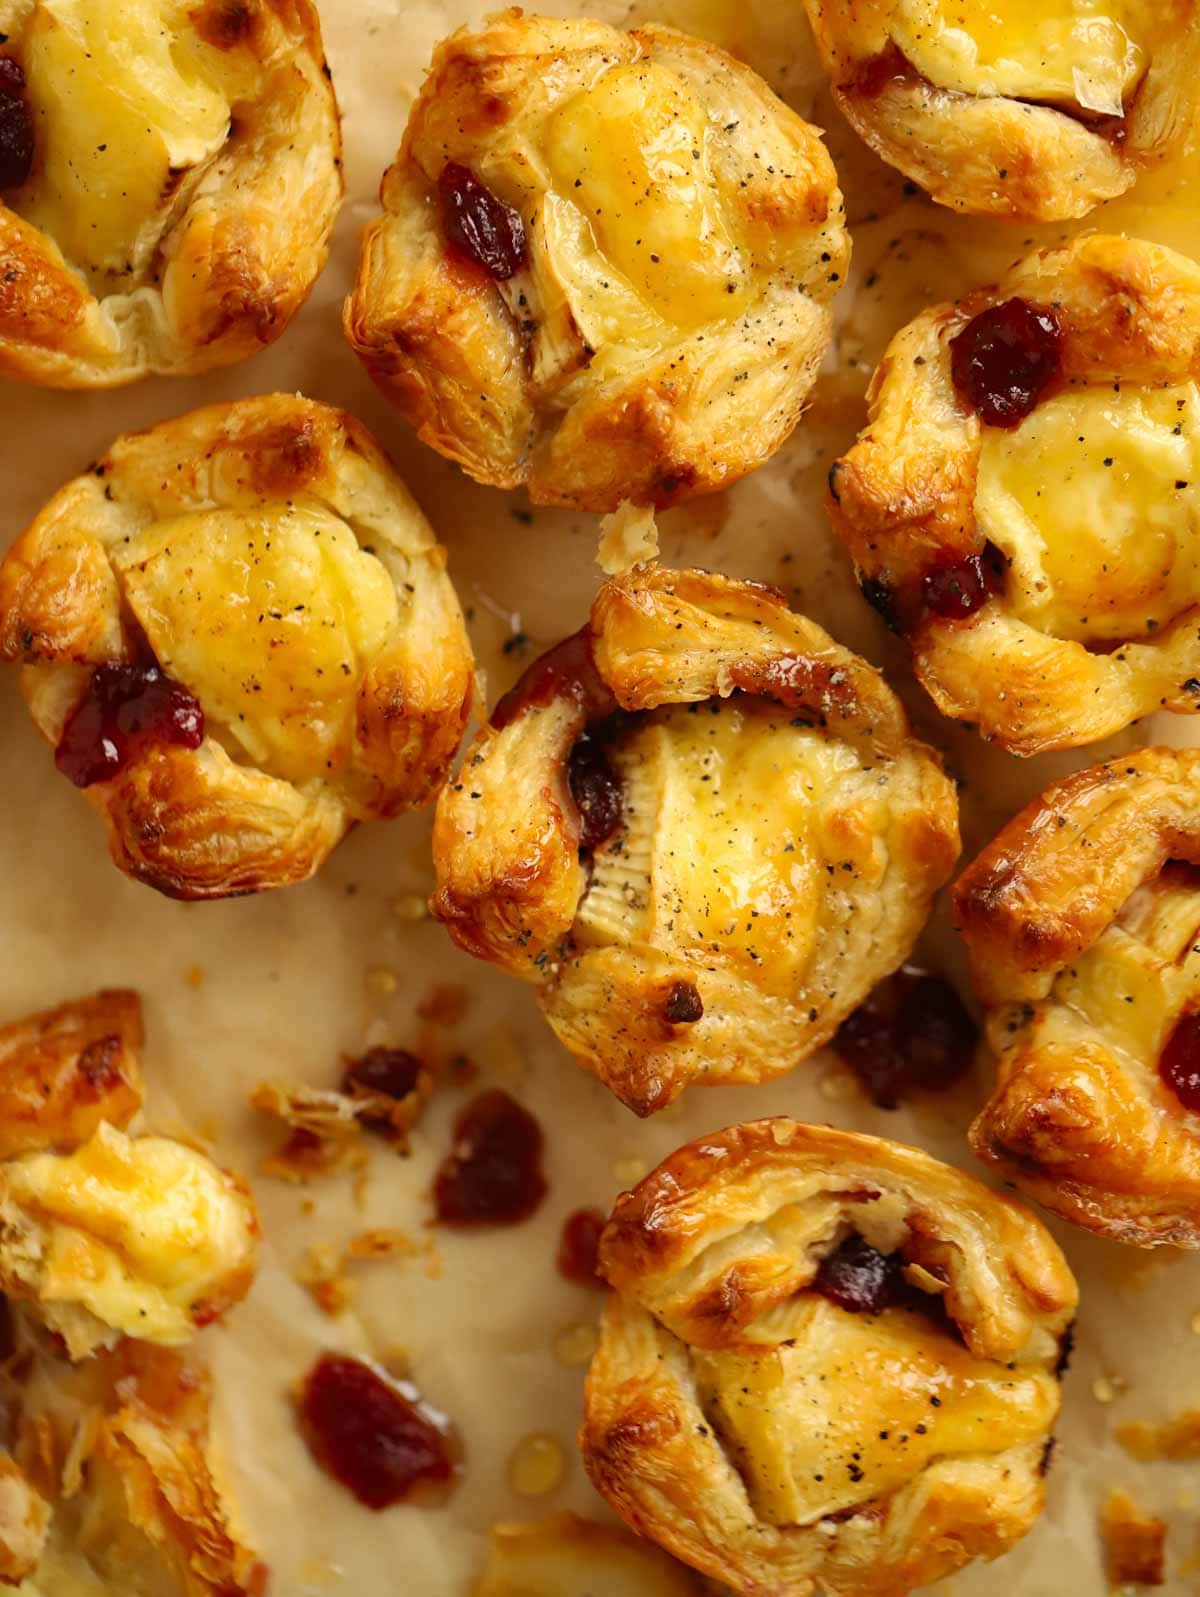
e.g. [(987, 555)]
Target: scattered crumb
[(1178, 1438), (1135, 1542), (629, 1170), (195, 976), (836, 1084), (628, 537), (324, 1124), (325, 1268), (575, 1345), (410, 907), (1106, 1389)]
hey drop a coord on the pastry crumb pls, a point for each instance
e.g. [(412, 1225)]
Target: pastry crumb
[(1135, 1542), (1177, 1438), (628, 538)]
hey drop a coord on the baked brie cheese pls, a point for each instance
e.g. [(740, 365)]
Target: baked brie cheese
[(106, 1231), (702, 830), (829, 1363), (605, 263), (170, 171), (1031, 109), (238, 634), (1024, 504), (1082, 922)]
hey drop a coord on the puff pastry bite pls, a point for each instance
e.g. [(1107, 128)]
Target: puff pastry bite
[(238, 634), (604, 265), (123, 1450), (1017, 108), (170, 173), (1082, 922), (106, 1232), (1025, 502), (702, 830), (829, 1362)]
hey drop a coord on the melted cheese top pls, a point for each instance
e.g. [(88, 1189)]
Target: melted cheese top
[(137, 1231), (271, 618), (855, 1406), (1095, 499), (1088, 53), (729, 822), (631, 154), (127, 105), (1136, 980)]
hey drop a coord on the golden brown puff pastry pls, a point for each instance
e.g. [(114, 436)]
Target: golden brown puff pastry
[(1033, 109), (1082, 922), (106, 1233), (604, 265), (1025, 502), (24, 1522), (122, 1449), (701, 829), (239, 635), (170, 171), (829, 1362)]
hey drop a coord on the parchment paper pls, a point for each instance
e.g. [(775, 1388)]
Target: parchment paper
[(283, 984)]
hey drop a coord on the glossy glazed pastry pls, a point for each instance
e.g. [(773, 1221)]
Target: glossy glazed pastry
[(1032, 109), (829, 1362), (604, 265), (1082, 921), (106, 1232), (170, 174), (702, 830), (1024, 504), (240, 638)]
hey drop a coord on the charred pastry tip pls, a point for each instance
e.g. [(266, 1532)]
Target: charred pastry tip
[(1047, 1457), (682, 1005), (832, 481), (1065, 1349)]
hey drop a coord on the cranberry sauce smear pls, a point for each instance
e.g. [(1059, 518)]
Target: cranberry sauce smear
[(1003, 361), (596, 789), (493, 1174), (125, 708), (568, 670), (1179, 1063), (393, 1072), (16, 125), (860, 1279), (912, 1033), (954, 592), (373, 1435), (579, 1248), (479, 224)]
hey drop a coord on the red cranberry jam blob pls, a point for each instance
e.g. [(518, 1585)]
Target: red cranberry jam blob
[(372, 1434), (860, 1279), (1179, 1064), (16, 125), (912, 1033), (1004, 360), (124, 710), (957, 591), (478, 224), (579, 1248), (493, 1174)]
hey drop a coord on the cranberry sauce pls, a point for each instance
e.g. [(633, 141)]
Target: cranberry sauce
[(391, 1072), (125, 709), (579, 1248), (478, 223), (682, 1005), (569, 671), (596, 789), (372, 1434), (860, 1279), (1004, 360), (1179, 1063), (954, 592), (891, 65), (911, 1033), (493, 1174), (16, 125)]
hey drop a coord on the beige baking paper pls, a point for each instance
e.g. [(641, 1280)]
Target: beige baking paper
[(282, 985)]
